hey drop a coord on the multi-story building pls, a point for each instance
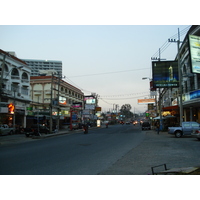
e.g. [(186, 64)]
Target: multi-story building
[(53, 97), (14, 89), (39, 67), (190, 82)]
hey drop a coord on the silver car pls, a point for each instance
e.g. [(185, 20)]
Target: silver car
[(196, 134)]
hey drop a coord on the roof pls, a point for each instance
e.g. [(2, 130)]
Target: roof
[(13, 57), (49, 78)]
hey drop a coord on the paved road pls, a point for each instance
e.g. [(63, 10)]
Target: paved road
[(76, 154), (118, 150)]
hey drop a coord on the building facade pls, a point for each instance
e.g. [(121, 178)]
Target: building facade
[(39, 67), (54, 99), (14, 89), (190, 82)]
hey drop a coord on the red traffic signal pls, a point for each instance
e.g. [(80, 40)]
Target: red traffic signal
[(11, 108)]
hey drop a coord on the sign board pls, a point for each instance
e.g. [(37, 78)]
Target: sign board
[(194, 49), (165, 74), (89, 107), (146, 101)]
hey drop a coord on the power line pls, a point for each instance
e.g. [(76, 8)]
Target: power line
[(167, 44), (107, 73)]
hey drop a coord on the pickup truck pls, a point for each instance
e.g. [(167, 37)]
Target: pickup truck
[(5, 129), (186, 129)]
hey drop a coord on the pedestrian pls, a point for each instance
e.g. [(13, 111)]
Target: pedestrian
[(158, 127)]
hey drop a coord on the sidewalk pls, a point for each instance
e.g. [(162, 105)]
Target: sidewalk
[(158, 149)]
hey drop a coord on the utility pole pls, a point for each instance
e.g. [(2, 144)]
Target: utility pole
[(180, 77), (58, 108), (51, 105), (160, 98)]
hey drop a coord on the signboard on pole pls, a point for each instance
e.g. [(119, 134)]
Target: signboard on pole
[(194, 44), (165, 74)]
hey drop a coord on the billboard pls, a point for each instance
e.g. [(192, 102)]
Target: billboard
[(165, 74), (194, 49), (62, 100), (90, 100), (146, 101)]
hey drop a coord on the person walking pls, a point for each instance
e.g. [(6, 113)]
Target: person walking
[(158, 127)]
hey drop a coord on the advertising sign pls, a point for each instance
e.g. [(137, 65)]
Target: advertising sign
[(146, 101), (165, 74), (62, 100), (194, 44), (77, 105), (90, 99)]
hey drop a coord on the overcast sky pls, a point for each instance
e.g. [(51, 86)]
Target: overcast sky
[(98, 55)]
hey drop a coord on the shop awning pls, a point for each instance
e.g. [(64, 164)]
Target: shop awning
[(170, 108)]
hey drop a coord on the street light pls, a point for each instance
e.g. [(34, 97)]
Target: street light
[(160, 114)]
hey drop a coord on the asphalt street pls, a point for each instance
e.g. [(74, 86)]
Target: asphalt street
[(71, 154), (118, 150)]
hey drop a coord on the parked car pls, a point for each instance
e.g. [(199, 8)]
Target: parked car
[(128, 123), (196, 134), (33, 130), (146, 126), (6, 130), (185, 129)]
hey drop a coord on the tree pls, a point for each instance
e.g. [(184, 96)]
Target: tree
[(125, 110)]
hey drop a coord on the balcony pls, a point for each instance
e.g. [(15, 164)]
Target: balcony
[(15, 78), (37, 92), (25, 82), (47, 92)]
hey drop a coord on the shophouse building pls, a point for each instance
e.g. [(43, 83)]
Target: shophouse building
[(53, 98), (190, 82), (14, 89)]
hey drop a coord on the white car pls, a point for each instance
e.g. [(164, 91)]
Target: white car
[(6, 130), (196, 134)]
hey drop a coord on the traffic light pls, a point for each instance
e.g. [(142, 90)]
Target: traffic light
[(11, 108)]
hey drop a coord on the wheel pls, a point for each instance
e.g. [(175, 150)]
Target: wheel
[(11, 132), (178, 134)]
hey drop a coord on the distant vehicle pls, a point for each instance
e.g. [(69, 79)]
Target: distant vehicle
[(135, 122), (128, 123), (33, 130), (121, 122), (146, 126), (187, 128), (196, 134), (6, 130)]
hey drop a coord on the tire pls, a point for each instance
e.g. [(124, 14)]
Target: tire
[(11, 132), (178, 134)]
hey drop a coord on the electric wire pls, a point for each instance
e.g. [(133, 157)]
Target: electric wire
[(167, 44), (108, 73)]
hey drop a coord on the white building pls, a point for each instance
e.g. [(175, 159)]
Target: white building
[(39, 66), (14, 88)]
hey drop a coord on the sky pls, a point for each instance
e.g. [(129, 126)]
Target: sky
[(103, 51), (109, 60)]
